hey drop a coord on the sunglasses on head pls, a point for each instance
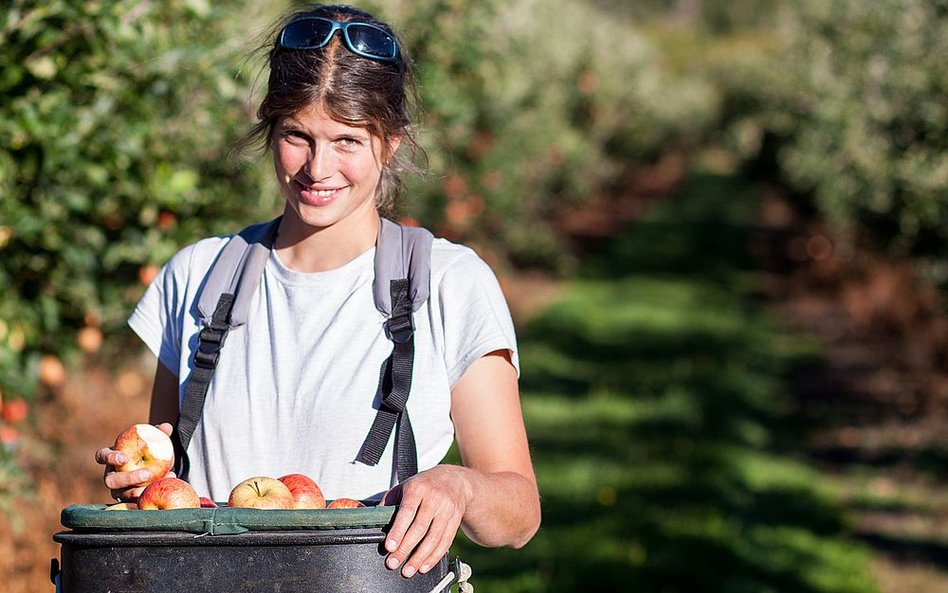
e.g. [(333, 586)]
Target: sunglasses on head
[(362, 39)]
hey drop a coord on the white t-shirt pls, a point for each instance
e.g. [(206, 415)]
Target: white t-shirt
[(294, 387)]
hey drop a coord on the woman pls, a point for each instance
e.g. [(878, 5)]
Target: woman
[(294, 387)]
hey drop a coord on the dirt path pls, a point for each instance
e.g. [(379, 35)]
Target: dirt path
[(878, 403)]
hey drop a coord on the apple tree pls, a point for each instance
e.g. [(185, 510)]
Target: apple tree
[(116, 123)]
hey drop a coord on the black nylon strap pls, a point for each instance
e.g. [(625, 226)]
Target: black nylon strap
[(395, 386), (210, 341)]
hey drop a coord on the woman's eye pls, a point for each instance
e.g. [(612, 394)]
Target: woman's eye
[(347, 142), (294, 136)]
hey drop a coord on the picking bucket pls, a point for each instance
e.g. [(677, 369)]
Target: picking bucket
[(231, 549)]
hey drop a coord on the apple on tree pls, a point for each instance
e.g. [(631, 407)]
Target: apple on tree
[(306, 493), (168, 493), (146, 447), (261, 492)]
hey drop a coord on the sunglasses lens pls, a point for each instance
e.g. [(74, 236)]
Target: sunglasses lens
[(372, 41), (306, 33)]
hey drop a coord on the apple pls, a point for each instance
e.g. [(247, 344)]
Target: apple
[(52, 372), (345, 503), (261, 492), (305, 491), (147, 447), (122, 506), (168, 493), (207, 503), (15, 410)]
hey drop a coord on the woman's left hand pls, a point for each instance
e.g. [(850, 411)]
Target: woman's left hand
[(431, 506)]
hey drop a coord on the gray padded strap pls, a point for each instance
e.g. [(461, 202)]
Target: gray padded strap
[(238, 270), (401, 252)]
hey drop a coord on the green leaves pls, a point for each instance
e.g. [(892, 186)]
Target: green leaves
[(115, 127), (869, 118)]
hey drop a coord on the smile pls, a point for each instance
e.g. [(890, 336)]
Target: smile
[(322, 192), (319, 196)]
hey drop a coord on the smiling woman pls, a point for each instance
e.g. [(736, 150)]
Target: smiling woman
[(298, 386)]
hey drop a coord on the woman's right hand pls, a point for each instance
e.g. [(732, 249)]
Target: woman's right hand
[(125, 486)]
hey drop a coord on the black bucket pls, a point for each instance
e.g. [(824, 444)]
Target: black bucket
[(233, 550)]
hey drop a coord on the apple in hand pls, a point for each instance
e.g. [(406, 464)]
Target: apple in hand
[(168, 493), (345, 503), (261, 492), (306, 493), (146, 447)]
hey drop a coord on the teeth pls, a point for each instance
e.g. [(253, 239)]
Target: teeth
[(323, 192)]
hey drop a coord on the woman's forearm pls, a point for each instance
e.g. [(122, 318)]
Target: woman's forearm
[(503, 510)]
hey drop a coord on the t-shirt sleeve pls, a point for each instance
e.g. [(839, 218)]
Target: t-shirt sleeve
[(157, 317), (475, 315)]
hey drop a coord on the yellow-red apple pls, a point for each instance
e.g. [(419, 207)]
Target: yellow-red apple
[(306, 492), (122, 506), (345, 503), (146, 447), (168, 493), (207, 503), (261, 492)]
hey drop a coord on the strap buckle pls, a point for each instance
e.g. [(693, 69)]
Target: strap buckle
[(400, 328), (210, 342)]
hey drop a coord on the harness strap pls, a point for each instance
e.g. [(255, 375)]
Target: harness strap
[(210, 341), (394, 387)]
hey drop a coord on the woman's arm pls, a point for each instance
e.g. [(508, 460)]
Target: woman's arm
[(493, 497), (164, 397)]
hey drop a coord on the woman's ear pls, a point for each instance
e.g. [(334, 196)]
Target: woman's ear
[(393, 143)]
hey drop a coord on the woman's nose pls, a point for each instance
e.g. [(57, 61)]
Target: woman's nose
[(319, 164)]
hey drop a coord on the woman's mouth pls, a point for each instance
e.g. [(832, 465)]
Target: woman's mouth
[(319, 196)]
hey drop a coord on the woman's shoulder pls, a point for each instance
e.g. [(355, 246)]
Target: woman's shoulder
[(446, 255), (456, 264)]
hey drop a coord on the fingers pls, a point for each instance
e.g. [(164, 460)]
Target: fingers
[(109, 456), (422, 532), (166, 427), (123, 480), (124, 485)]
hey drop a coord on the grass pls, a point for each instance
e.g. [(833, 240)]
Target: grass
[(655, 392)]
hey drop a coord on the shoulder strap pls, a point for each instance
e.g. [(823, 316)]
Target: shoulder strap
[(402, 285), (402, 252), (223, 305), (237, 271)]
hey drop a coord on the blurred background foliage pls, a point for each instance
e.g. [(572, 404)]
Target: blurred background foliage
[(117, 121)]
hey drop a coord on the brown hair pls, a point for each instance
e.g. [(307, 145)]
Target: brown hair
[(374, 95)]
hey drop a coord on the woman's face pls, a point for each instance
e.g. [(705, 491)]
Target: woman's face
[(328, 171)]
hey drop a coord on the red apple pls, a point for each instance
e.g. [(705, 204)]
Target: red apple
[(261, 492), (305, 491), (207, 503), (147, 447), (345, 503), (168, 493), (15, 410)]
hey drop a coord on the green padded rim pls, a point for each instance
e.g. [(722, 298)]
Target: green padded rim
[(223, 520)]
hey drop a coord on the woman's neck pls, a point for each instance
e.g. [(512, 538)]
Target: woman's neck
[(305, 248)]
